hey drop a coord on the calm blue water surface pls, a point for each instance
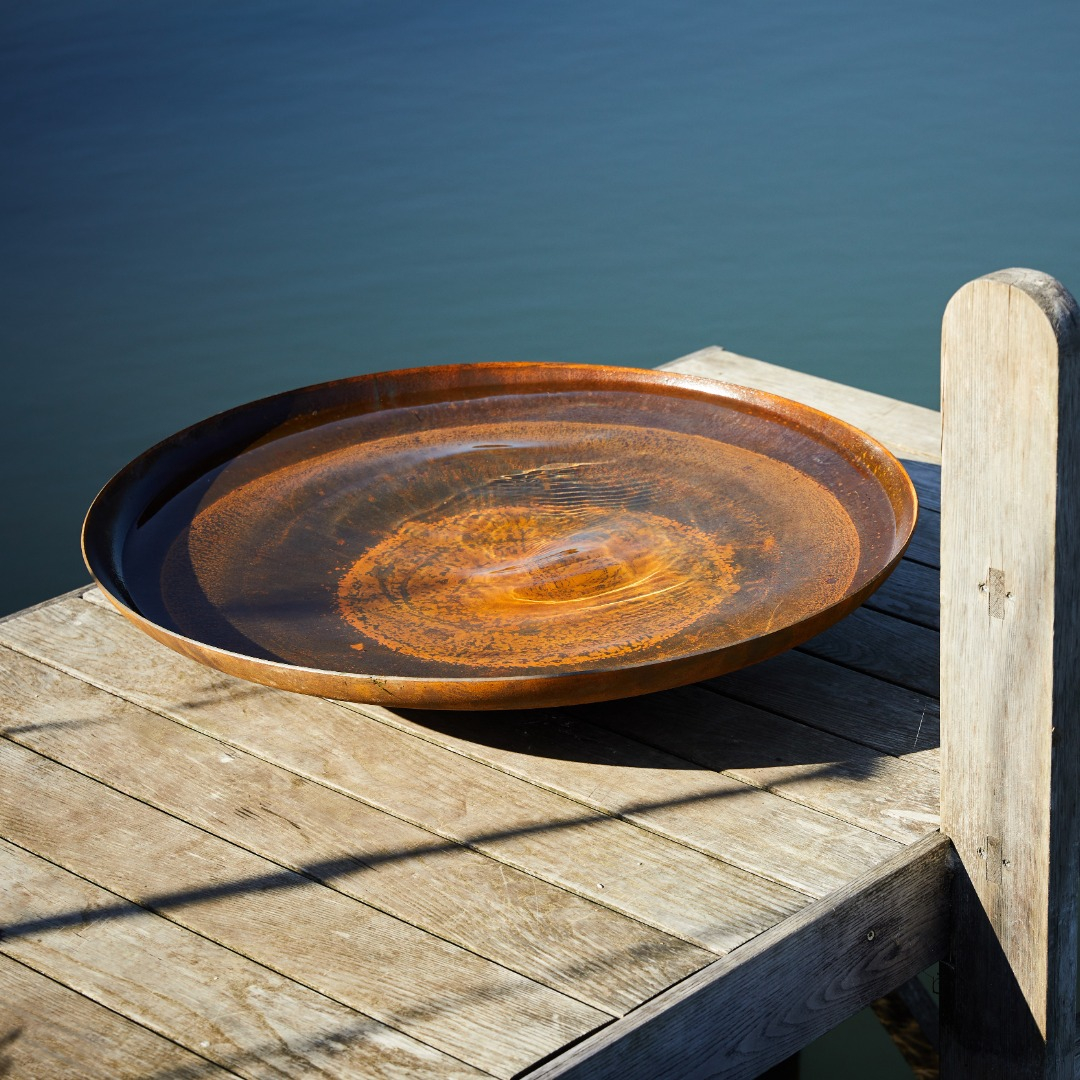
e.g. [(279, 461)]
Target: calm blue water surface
[(205, 202)]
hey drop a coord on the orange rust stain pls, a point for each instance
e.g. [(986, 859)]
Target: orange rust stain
[(606, 552), (512, 586)]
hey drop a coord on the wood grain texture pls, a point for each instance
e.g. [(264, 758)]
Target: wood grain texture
[(442, 995), (698, 807), (1010, 626), (785, 988), (82, 591), (48, 1032), (889, 795), (605, 908), (887, 648), (911, 593), (909, 431), (192, 991), (655, 880), (545, 933), (843, 702), (926, 540), (926, 477)]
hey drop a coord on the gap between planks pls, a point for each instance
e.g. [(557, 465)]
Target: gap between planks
[(22, 613), (681, 882), (680, 706), (900, 706), (51, 1032), (487, 756), (818, 968), (532, 771), (312, 829), (196, 992), (467, 1007)]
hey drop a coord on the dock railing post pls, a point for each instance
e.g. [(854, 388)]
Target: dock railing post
[(1010, 674)]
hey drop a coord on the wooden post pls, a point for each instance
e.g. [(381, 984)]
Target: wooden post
[(1010, 674)]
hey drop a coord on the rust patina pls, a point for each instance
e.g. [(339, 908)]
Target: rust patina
[(499, 535)]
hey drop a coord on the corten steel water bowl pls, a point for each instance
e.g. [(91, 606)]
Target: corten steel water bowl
[(499, 535)]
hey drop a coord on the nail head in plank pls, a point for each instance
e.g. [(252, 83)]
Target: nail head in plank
[(816, 969)]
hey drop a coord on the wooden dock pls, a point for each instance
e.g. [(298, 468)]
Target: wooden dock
[(206, 877)]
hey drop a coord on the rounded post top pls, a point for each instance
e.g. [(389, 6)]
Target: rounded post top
[(1055, 301)]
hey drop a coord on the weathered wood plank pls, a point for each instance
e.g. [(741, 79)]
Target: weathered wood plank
[(841, 701), (889, 795), (925, 546), (48, 1032), (699, 807), (909, 431), (190, 990), (882, 646), (927, 480), (80, 591), (613, 768), (442, 995), (910, 593), (1010, 631), (618, 776), (547, 934), (777, 993), (655, 880)]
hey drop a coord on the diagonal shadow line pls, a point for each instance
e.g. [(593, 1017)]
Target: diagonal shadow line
[(298, 1055), (298, 1051), (327, 870), (218, 695), (50, 725), (737, 764), (293, 1055)]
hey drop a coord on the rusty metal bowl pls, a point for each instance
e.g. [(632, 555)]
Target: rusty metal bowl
[(499, 535)]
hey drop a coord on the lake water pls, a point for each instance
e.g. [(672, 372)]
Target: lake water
[(205, 202)]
